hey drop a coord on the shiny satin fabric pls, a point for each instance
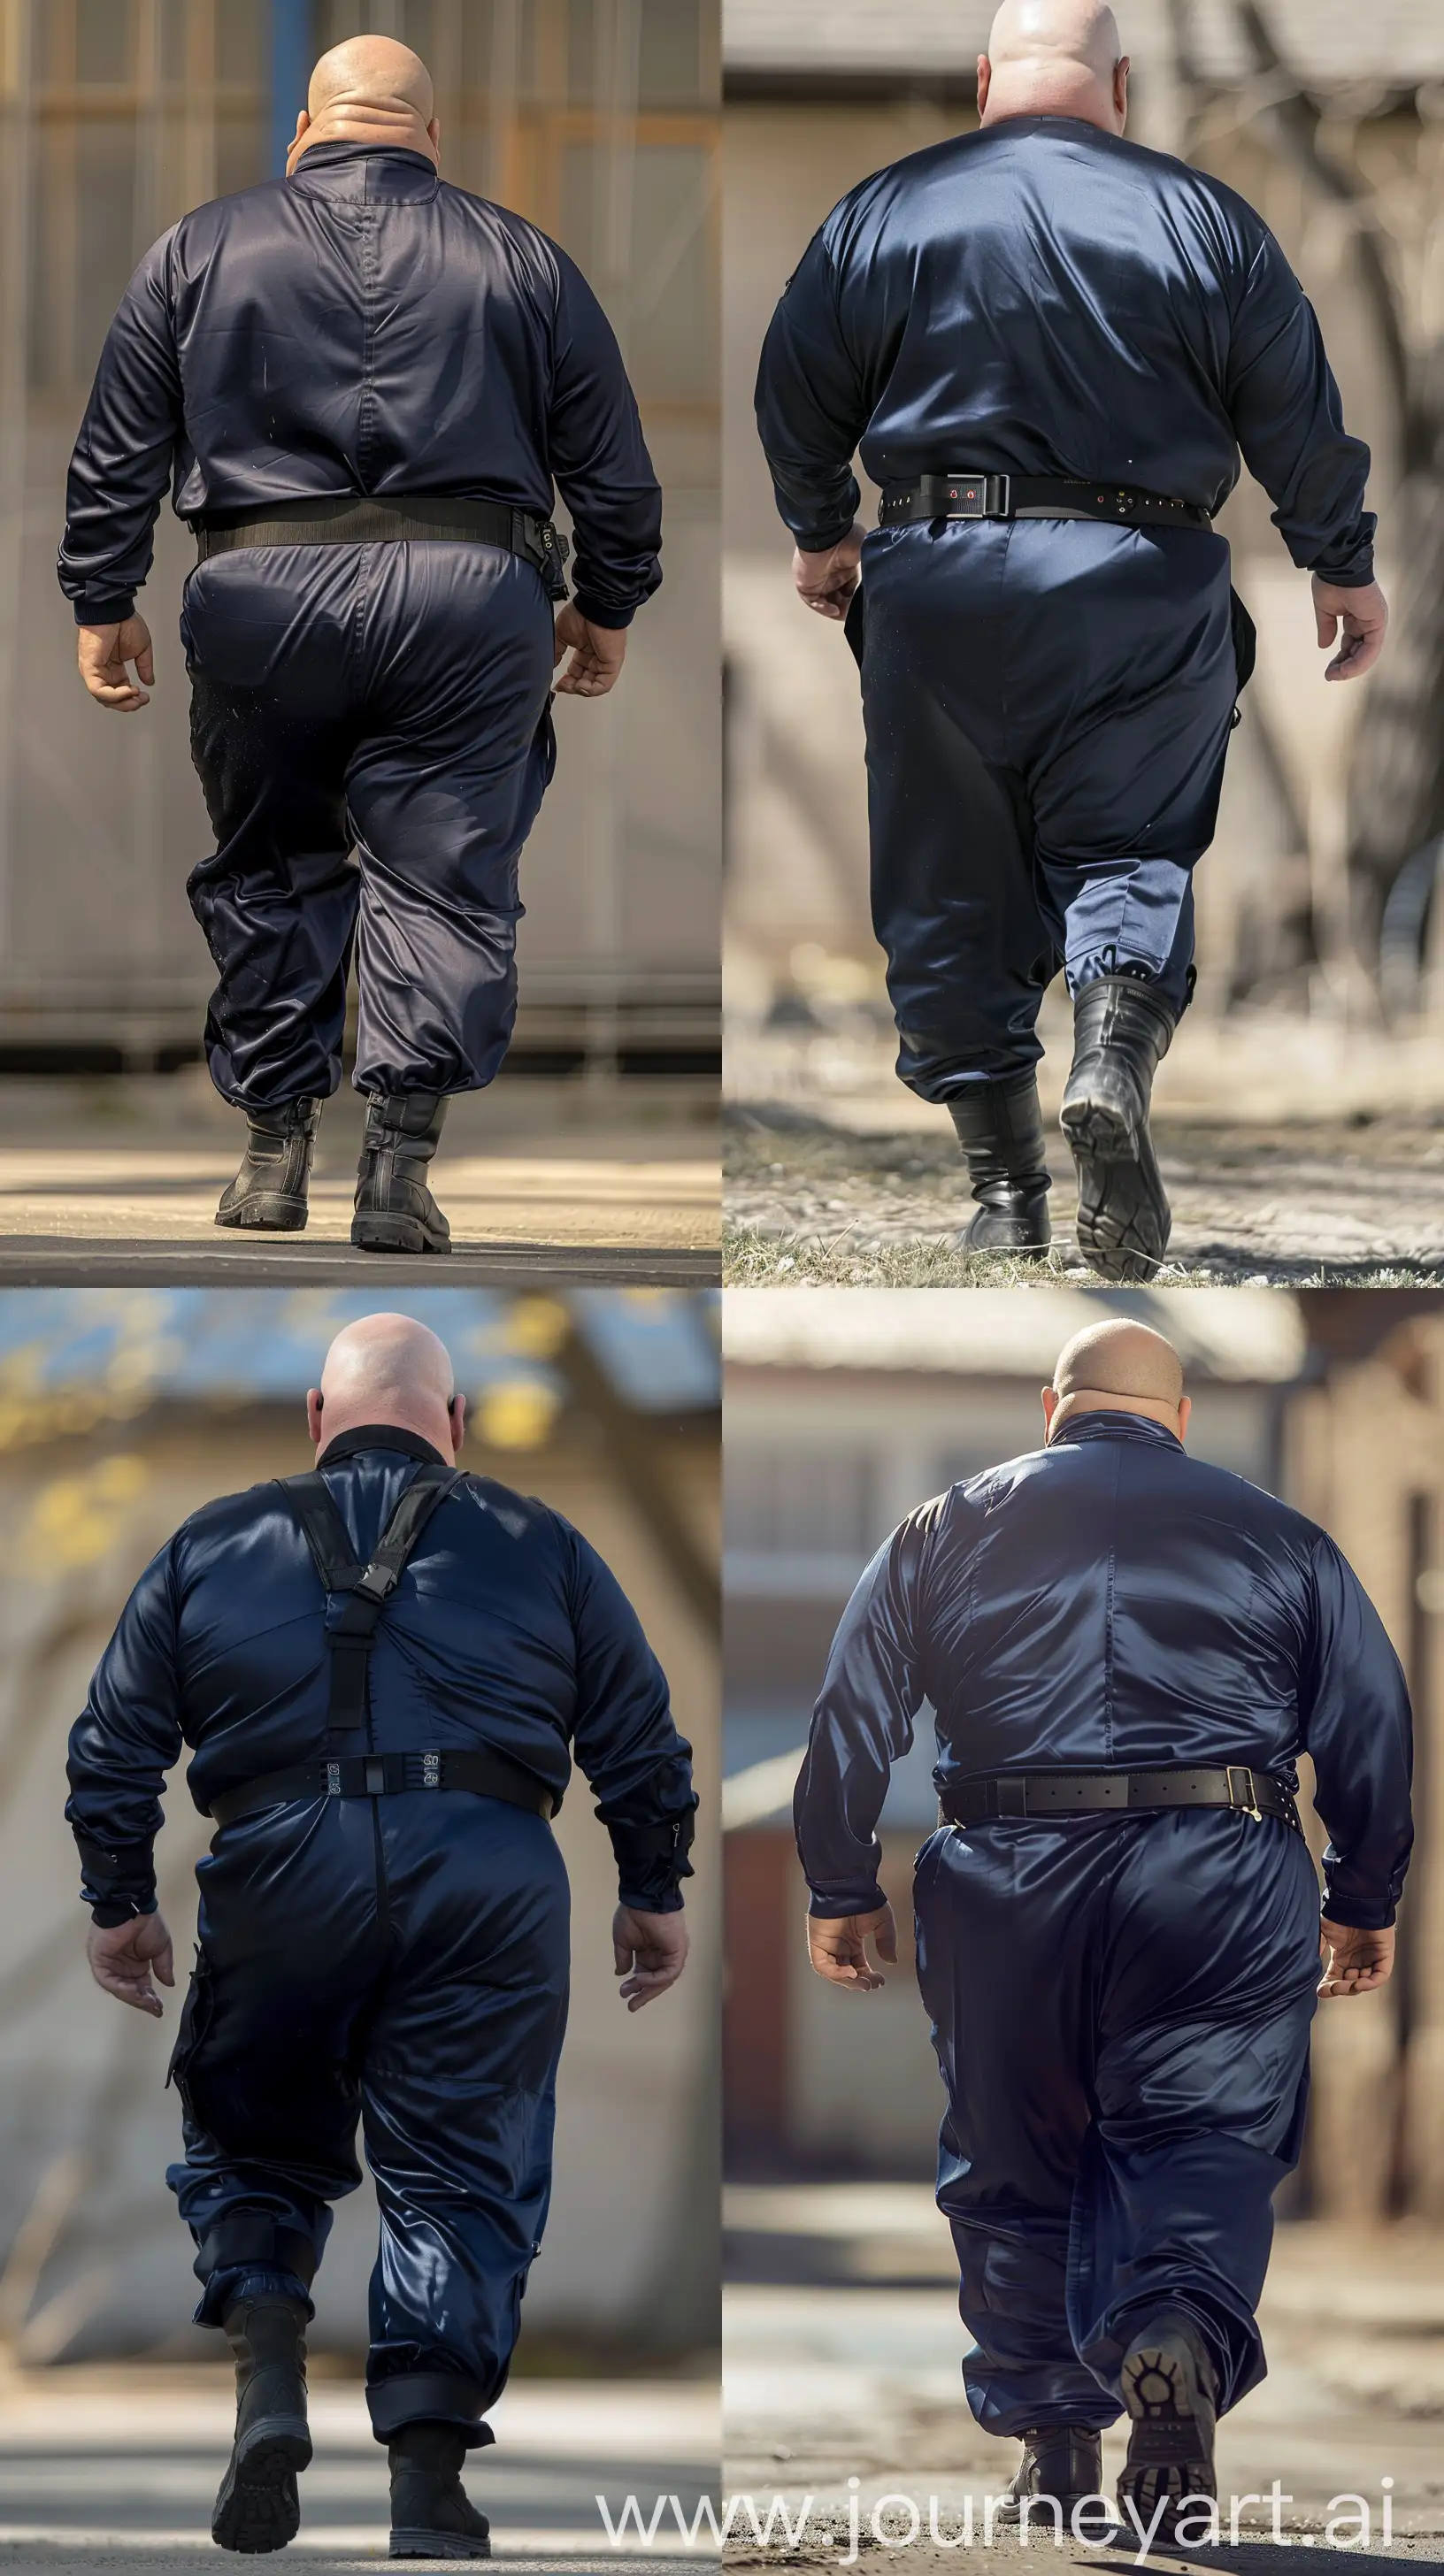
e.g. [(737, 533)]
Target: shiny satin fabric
[(1121, 2016), (402, 1962), (1109, 1603), (392, 699), (505, 1630), (362, 326), (1043, 298), (1048, 707)]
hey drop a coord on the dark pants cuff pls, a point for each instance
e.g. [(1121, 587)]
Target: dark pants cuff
[(428, 2397)]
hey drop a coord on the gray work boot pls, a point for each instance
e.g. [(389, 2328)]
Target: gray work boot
[(268, 1194), (1171, 2395), (1064, 2461), (1000, 1129), (395, 1211), (1121, 1032), (430, 2514), (258, 2508)]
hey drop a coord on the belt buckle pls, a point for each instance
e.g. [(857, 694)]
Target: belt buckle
[(333, 1779), (1248, 1806), (431, 1770), (980, 496)]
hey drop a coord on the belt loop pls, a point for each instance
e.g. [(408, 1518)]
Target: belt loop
[(374, 1775), (1012, 1797)]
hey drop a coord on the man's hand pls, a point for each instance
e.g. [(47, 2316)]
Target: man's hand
[(122, 1958), (837, 1947), (598, 653), (1364, 616), (103, 653), (650, 1951), (827, 582), (1354, 1962)]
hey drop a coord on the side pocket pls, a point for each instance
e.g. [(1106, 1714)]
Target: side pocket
[(195, 2021)]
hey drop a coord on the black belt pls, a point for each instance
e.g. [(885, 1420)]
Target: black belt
[(349, 520), (991, 1794), (1032, 496), (388, 1775)]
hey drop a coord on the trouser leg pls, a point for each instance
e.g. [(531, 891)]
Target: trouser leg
[(458, 2083), (1005, 1985), (1201, 2084), (444, 787), (266, 636)]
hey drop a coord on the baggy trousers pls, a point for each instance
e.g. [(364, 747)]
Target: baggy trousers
[(1121, 2013), (1048, 705), (390, 698), (401, 1960)]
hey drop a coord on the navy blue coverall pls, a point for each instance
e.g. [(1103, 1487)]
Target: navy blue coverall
[(1120, 2003), (403, 1958), (362, 328), (1047, 701)]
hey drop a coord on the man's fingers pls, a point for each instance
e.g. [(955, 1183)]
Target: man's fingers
[(163, 1965), (145, 665), (1327, 624), (1361, 649)]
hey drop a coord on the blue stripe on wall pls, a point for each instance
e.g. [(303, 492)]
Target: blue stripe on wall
[(290, 70)]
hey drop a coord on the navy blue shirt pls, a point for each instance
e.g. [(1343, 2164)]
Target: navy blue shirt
[(1111, 1604), (506, 1630), (1042, 298), (361, 327)]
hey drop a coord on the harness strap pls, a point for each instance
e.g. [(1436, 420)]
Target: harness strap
[(367, 1588)]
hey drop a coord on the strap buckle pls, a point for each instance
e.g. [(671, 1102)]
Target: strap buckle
[(378, 1581), (333, 1779), (1249, 1805), (431, 1770), (979, 496)]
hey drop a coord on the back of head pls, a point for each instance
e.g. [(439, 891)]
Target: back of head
[(387, 1369), (370, 90), (1053, 58), (1118, 1366)]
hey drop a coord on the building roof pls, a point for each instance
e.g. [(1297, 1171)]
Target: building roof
[(1397, 41), (1247, 1336)]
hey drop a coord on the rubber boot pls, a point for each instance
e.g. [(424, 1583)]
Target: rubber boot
[(1060, 2460), (1171, 2395), (268, 1194), (258, 2508), (395, 1211), (1000, 1129), (430, 2514), (1121, 1032)]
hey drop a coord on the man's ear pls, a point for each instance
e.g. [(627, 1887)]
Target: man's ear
[(1185, 1408), (313, 1415), (1120, 90), (1050, 1407), (985, 81), (458, 1424)]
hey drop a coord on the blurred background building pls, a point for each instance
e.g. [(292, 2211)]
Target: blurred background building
[(845, 1408), (597, 118), (119, 1414), (1317, 897)]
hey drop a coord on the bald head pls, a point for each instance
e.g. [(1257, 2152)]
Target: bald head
[(1117, 1367), (1054, 58), (369, 90), (386, 1368)]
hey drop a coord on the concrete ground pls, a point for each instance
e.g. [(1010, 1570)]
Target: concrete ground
[(852, 2372), (112, 2468), (1292, 1151), (562, 1182)]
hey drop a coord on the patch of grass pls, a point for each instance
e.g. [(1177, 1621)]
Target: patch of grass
[(753, 1259)]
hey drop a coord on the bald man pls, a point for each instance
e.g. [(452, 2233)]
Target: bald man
[(1125, 1653), (1050, 346), (362, 385), (384, 1672)]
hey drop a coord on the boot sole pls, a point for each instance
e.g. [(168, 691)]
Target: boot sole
[(1170, 2447), (267, 1213), (395, 1234), (1124, 1219), (437, 2544), (258, 2509), (1104, 1134)]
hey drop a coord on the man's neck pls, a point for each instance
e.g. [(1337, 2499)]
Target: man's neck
[(365, 128)]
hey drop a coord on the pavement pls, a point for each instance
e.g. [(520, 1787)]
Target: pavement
[(842, 2348), (562, 1183), (118, 2468)]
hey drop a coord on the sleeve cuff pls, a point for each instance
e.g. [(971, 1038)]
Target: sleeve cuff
[(93, 610), (652, 1862), (1357, 1914), (603, 612), (831, 1909), (108, 1912)]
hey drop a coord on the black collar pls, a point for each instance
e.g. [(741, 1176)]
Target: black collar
[(378, 1435), (1102, 1425)]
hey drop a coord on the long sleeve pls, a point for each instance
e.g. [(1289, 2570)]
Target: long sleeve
[(862, 1724), (121, 466), (1354, 1706), (639, 1767), (811, 405), (600, 461), (121, 1748), (1286, 415)]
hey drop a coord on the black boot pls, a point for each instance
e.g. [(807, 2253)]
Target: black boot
[(1060, 2460), (1172, 2399), (258, 2508), (1121, 1031), (395, 1211), (1000, 1129), (268, 1193), (430, 2515)]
